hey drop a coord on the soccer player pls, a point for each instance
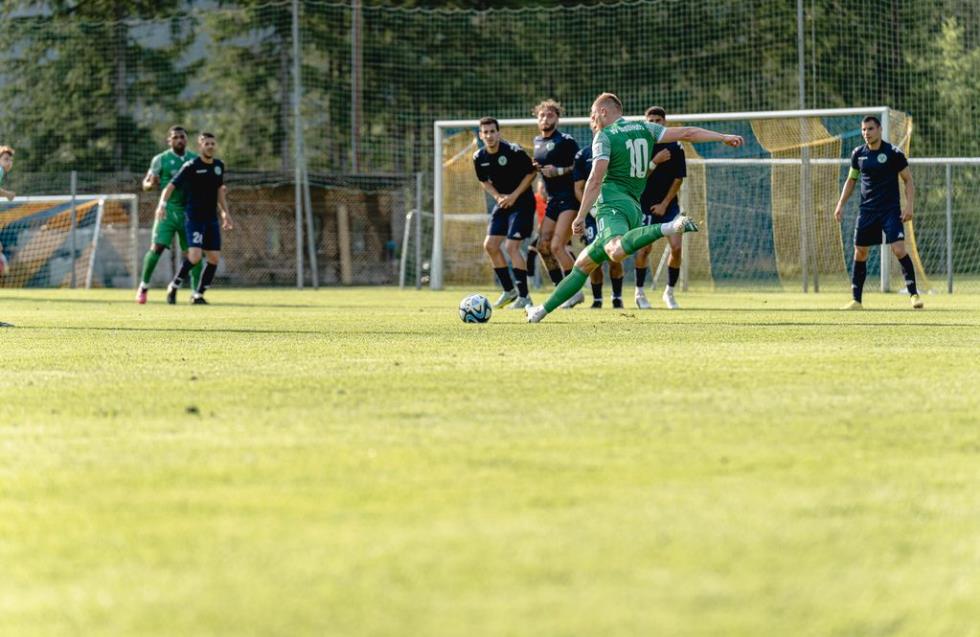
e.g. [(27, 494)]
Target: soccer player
[(580, 173), (6, 165), (878, 165), (203, 181), (554, 156), (659, 205), (621, 153), (162, 169), (505, 171)]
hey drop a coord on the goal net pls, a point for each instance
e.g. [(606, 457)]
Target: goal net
[(58, 241), (766, 209)]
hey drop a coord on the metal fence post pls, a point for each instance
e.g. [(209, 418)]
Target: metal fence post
[(949, 228), (418, 230), (74, 225)]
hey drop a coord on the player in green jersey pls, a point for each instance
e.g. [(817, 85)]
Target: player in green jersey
[(6, 164), (162, 169), (621, 153)]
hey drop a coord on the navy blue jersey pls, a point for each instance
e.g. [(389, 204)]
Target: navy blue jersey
[(879, 176), (200, 183), (557, 150), (660, 180), (505, 169), (583, 164)]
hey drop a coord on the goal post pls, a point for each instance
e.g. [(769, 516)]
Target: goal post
[(778, 186), (63, 241)]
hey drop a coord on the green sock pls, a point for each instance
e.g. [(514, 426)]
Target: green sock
[(196, 274), (149, 264), (566, 289), (641, 237)]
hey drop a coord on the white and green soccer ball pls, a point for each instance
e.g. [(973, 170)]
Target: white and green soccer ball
[(475, 308)]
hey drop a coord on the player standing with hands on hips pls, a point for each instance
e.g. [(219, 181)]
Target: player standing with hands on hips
[(202, 181)]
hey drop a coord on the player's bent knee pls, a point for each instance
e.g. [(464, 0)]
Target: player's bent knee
[(614, 249), (158, 248)]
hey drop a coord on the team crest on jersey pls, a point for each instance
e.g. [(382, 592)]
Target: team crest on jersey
[(550, 146), (217, 170), (502, 160), (882, 158)]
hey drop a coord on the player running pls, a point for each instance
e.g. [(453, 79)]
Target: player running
[(554, 157), (162, 169), (878, 164), (621, 153), (659, 205), (203, 182), (505, 171)]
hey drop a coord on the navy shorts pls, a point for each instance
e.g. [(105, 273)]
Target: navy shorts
[(672, 211), (203, 234), (514, 222), (591, 229), (559, 204), (871, 225)]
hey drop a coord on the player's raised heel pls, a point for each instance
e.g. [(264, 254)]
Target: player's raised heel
[(506, 297), (572, 302), (520, 303), (669, 299), (535, 313), (916, 302), (641, 300), (171, 294), (853, 305), (684, 224), (141, 295)]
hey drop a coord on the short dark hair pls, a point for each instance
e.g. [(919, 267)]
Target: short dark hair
[(656, 110), (206, 135), (177, 129), (872, 118), (486, 121)]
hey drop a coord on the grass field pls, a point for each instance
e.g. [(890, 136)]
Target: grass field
[(359, 462)]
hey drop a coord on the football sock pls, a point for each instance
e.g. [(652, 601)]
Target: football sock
[(185, 267), (566, 289), (672, 275), (503, 275), (909, 271), (206, 278), (196, 274), (641, 237), (617, 286), (556, 275), (858, 274), (641, 276), (597, 291), (531, 260), (149, 264), (520, 277)]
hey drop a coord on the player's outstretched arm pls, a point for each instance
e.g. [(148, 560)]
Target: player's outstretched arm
[(590, 194), (695, 134)]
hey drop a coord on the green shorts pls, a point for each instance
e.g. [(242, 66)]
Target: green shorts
[(613, 219), (165, 229)]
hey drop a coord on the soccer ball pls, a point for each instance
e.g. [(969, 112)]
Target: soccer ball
[(475, 308)]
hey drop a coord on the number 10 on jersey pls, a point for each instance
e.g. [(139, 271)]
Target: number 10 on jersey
[(639, 156)]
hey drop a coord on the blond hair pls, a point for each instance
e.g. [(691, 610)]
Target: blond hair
[(6, 150), (609, 99)]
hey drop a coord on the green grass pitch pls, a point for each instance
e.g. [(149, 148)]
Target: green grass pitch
[(359, 462)]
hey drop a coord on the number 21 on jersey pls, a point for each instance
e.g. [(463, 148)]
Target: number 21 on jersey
[(639, 156)]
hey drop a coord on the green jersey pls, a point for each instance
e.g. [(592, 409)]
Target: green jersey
[(3, 175), (629, 148), (165, 166)]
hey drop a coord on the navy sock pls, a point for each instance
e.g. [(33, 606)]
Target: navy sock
[(617, 286), (641, 276), (672, 275), (520, 277), (206, 278), (556, 275), (909, 271), (185, 269), (597, 291), (503, 275), (858, 274), (531, 261)]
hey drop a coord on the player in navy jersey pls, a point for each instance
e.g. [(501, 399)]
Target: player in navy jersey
[(878, 165), (659, 204), (505, 171), (554, 157), (202, 180), (580, 173)]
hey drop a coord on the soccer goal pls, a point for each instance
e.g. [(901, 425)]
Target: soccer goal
[(63, 241), (766, 209)]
